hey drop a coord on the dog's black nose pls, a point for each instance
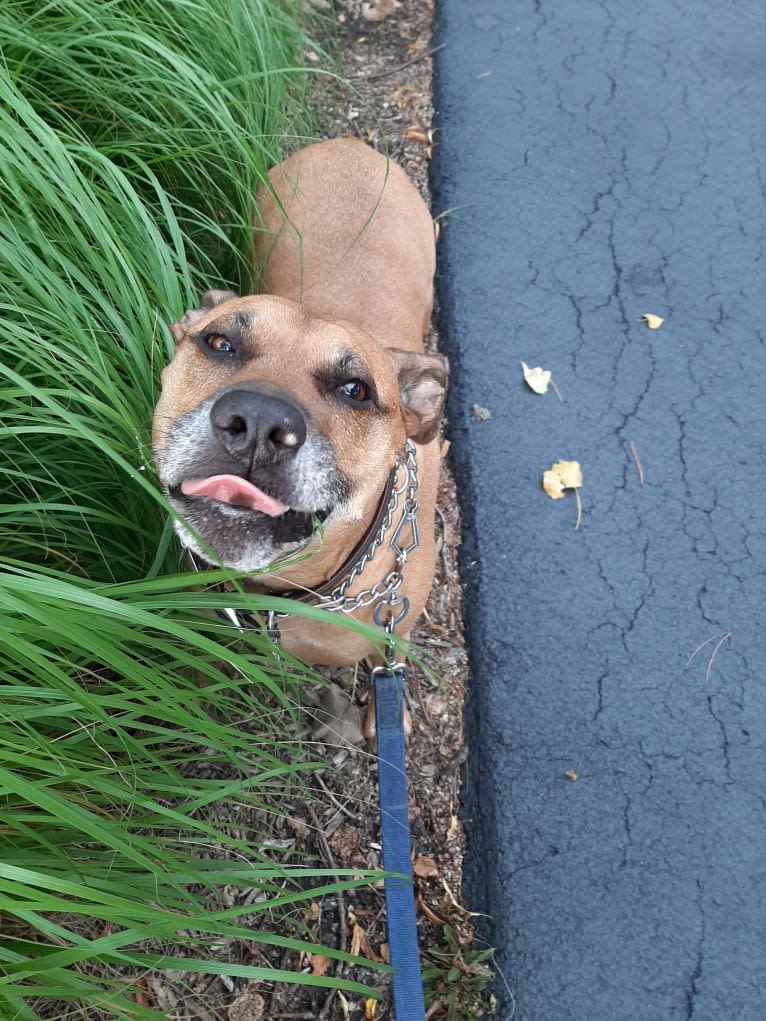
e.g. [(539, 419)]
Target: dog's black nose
[(257, 428)]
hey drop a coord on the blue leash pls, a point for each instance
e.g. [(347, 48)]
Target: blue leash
[(409, 1004)]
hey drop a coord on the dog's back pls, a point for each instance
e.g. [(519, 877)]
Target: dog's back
[(347, 234)]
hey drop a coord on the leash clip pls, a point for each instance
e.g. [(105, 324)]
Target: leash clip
[(389, 623)]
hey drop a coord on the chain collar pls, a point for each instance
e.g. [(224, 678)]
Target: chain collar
[(385, 594), (403, 492)]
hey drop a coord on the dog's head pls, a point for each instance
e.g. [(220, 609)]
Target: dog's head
[(272, 422)]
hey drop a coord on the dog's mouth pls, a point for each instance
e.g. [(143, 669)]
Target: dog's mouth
[(234, 491), (287, 524)]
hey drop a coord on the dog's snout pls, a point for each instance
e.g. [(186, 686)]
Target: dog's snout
[(257, 427)]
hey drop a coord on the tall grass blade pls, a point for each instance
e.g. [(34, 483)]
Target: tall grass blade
[(135, 133)]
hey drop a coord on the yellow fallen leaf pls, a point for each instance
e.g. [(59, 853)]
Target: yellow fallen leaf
[(564, 475), (652, 321), (356, 939), (537, 379), (570, 473), (553, 485)]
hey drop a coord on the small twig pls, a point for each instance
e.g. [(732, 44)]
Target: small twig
[(325, 1011), (634, 455), (413, 677), (453, 900), (430, 915), (443, 544), (407, 63), (721, 639), (321, 838), (330, 859), (196, 1009), (341, 808)]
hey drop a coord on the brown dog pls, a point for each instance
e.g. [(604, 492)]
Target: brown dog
[(284, 417)]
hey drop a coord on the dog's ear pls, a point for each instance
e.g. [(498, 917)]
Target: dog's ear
[(212, 298), (422, 382), (208, 300)]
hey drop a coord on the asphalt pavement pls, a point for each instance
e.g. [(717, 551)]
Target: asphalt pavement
[(596, 162)]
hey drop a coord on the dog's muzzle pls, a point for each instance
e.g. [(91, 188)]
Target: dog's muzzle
[(251, 476)]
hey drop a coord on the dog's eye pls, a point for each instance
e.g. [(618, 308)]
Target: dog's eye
[(220, 344), (355, 390)]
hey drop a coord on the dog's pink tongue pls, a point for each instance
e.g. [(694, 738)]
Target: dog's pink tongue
[(235, 491)]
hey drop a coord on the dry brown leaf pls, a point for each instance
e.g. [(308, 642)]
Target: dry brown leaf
[(141, 998), (319, 964), (356, 939), (370, 1010), (406, 95), (424, 909), (652, 321), (367, 948), (379, 10), (417, 133), (299, 826), (313, 912), (425, 868), (360, 942)]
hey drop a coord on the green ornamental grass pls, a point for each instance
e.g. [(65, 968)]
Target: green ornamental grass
[(134, 134)]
